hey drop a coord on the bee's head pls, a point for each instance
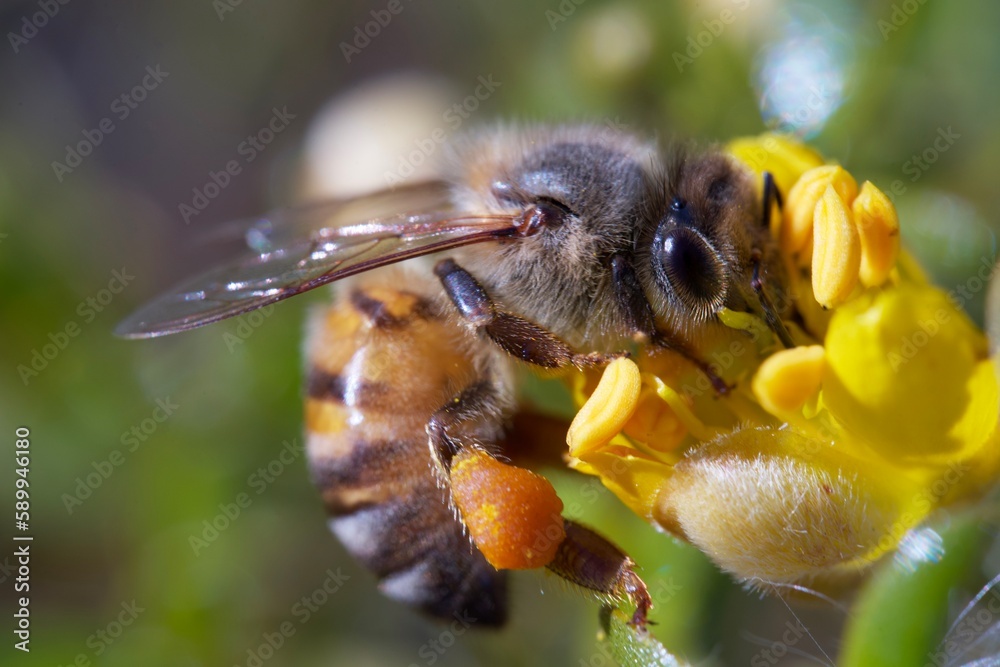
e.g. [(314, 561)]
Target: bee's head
[(574, 190), (709, 248), (577, 192)]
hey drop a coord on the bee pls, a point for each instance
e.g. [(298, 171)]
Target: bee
[(556, 248)]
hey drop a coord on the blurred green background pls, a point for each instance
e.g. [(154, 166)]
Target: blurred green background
[(872, 84)]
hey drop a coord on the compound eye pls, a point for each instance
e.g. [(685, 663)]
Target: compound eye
[(693, 268)]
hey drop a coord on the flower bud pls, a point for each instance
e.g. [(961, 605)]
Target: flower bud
[(774, 506)]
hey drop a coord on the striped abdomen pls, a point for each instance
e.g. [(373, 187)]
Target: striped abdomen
[(381, 361)]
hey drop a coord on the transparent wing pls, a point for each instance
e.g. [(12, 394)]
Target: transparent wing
[(323, 256), (287, 225)]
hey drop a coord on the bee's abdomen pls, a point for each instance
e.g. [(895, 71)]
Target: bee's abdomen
[(381, 361)]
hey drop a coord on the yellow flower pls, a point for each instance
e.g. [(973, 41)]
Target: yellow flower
[(785, 158), (824, 455)]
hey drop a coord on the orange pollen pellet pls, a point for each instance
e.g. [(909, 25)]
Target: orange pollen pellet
[(513, 515)]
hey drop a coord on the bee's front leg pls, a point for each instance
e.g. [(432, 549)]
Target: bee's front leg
[(641, 319), (517, 336), (772, 316)]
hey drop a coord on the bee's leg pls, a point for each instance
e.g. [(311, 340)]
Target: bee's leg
[(532, 439), (639, 315), (515, 335), (582, 557), (771, 317), (382, 359), (592, 562), (453, 426), (771, 196)]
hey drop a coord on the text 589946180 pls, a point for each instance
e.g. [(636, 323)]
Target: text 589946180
[(22, 549)]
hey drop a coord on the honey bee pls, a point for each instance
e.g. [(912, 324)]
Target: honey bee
[(566, 247)]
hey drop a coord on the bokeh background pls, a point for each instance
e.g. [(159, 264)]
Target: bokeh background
[(897, 91)]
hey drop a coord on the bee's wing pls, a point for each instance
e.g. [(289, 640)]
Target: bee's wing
[(323, 256), (288, 225)]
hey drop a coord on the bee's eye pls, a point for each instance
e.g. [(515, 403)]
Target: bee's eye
[(692, 267)]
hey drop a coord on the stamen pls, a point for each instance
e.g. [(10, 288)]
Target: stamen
[(878, 227), (604, 414), (836, 256), (788, 379)]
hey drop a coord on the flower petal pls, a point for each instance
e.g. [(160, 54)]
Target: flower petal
[(900, 372), (636, 479), (785, 157)]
